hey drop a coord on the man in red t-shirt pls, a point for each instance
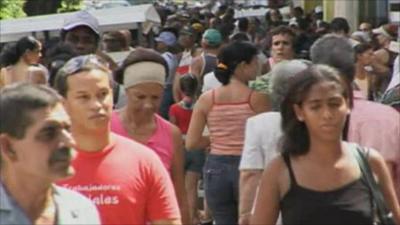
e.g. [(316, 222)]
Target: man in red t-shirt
[(126, 181)]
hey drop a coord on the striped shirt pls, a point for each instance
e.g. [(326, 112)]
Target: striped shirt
[(226, 123)]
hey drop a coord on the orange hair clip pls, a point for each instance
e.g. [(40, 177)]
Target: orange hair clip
[(222, 66)]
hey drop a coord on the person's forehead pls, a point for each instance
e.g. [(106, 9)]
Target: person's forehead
[(322, 90), (382, 37), (365, 25), (187, 35), (110, 39), (81, 31), (281, 36), (83, 78), (146, 88), (368, 51), (50, 114), (273, 12)]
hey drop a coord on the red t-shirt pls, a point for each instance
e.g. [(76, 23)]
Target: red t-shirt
[(182, 116), (126, 181)]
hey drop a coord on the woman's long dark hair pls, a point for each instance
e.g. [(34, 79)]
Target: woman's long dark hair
[(230, 56), (13, 52), (296, 140)]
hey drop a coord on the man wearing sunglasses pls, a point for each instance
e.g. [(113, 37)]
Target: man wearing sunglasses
[(125, 179), (35, 147)]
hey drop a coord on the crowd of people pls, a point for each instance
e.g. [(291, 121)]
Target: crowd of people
[(269, 116)]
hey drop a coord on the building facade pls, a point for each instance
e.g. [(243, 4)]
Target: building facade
[(355, 11)]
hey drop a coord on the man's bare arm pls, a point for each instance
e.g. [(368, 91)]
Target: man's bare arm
[(248, 184)]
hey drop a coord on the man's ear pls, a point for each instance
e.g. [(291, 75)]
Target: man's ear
[(65, 104), (241, 65), (299, 112), (5, 147), (348, 107)]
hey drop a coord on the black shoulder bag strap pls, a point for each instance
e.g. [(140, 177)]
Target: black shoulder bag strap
[(385, 217), (115, 90)]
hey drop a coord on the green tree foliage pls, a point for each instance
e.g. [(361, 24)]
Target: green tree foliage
[(70, 5), (11, 9), (41, 7)]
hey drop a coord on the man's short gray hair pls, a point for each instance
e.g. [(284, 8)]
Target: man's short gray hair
[(281, 74), (337, 52)]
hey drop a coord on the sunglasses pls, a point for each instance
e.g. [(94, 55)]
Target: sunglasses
[(80, 63)]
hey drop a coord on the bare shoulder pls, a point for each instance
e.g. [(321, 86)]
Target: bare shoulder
[(196, 59), (381, 55), (276, 168), (260, 102), (381, 52), (5, 70), (176, 132), (277, 164), (205, 100), (376, 161), (2, 74), (277, 173)]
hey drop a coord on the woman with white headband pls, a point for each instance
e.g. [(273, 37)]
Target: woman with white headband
[(143, 74)]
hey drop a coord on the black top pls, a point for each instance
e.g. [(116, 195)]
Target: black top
[(350, 204), (210, 62)]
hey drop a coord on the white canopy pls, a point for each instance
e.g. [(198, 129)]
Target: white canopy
[(260, 12), (109, 19)]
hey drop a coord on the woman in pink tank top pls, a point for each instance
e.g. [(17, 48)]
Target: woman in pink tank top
[(224, 111), (143, 75)]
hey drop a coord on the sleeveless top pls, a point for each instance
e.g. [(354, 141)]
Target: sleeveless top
[(392, 58), (350, 204), (184, 63), (210, 62), (9, 76), (160, 142), (226, 123)]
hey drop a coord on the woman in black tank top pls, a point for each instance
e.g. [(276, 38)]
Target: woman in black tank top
[(317, 179)]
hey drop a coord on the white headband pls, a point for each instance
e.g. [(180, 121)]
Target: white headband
[(144, 72)]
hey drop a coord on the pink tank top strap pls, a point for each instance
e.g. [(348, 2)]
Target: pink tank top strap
[(226, 123), (213, 96), (249, 98), (161, 141)]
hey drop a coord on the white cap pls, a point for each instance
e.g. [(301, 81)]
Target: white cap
[(394, 46), (81, 18), (318, 9), (293, 22), (381, 30)]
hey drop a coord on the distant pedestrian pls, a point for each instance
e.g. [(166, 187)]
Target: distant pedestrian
[(125, 179), (17, 59), (225, 110), (317, 179)]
